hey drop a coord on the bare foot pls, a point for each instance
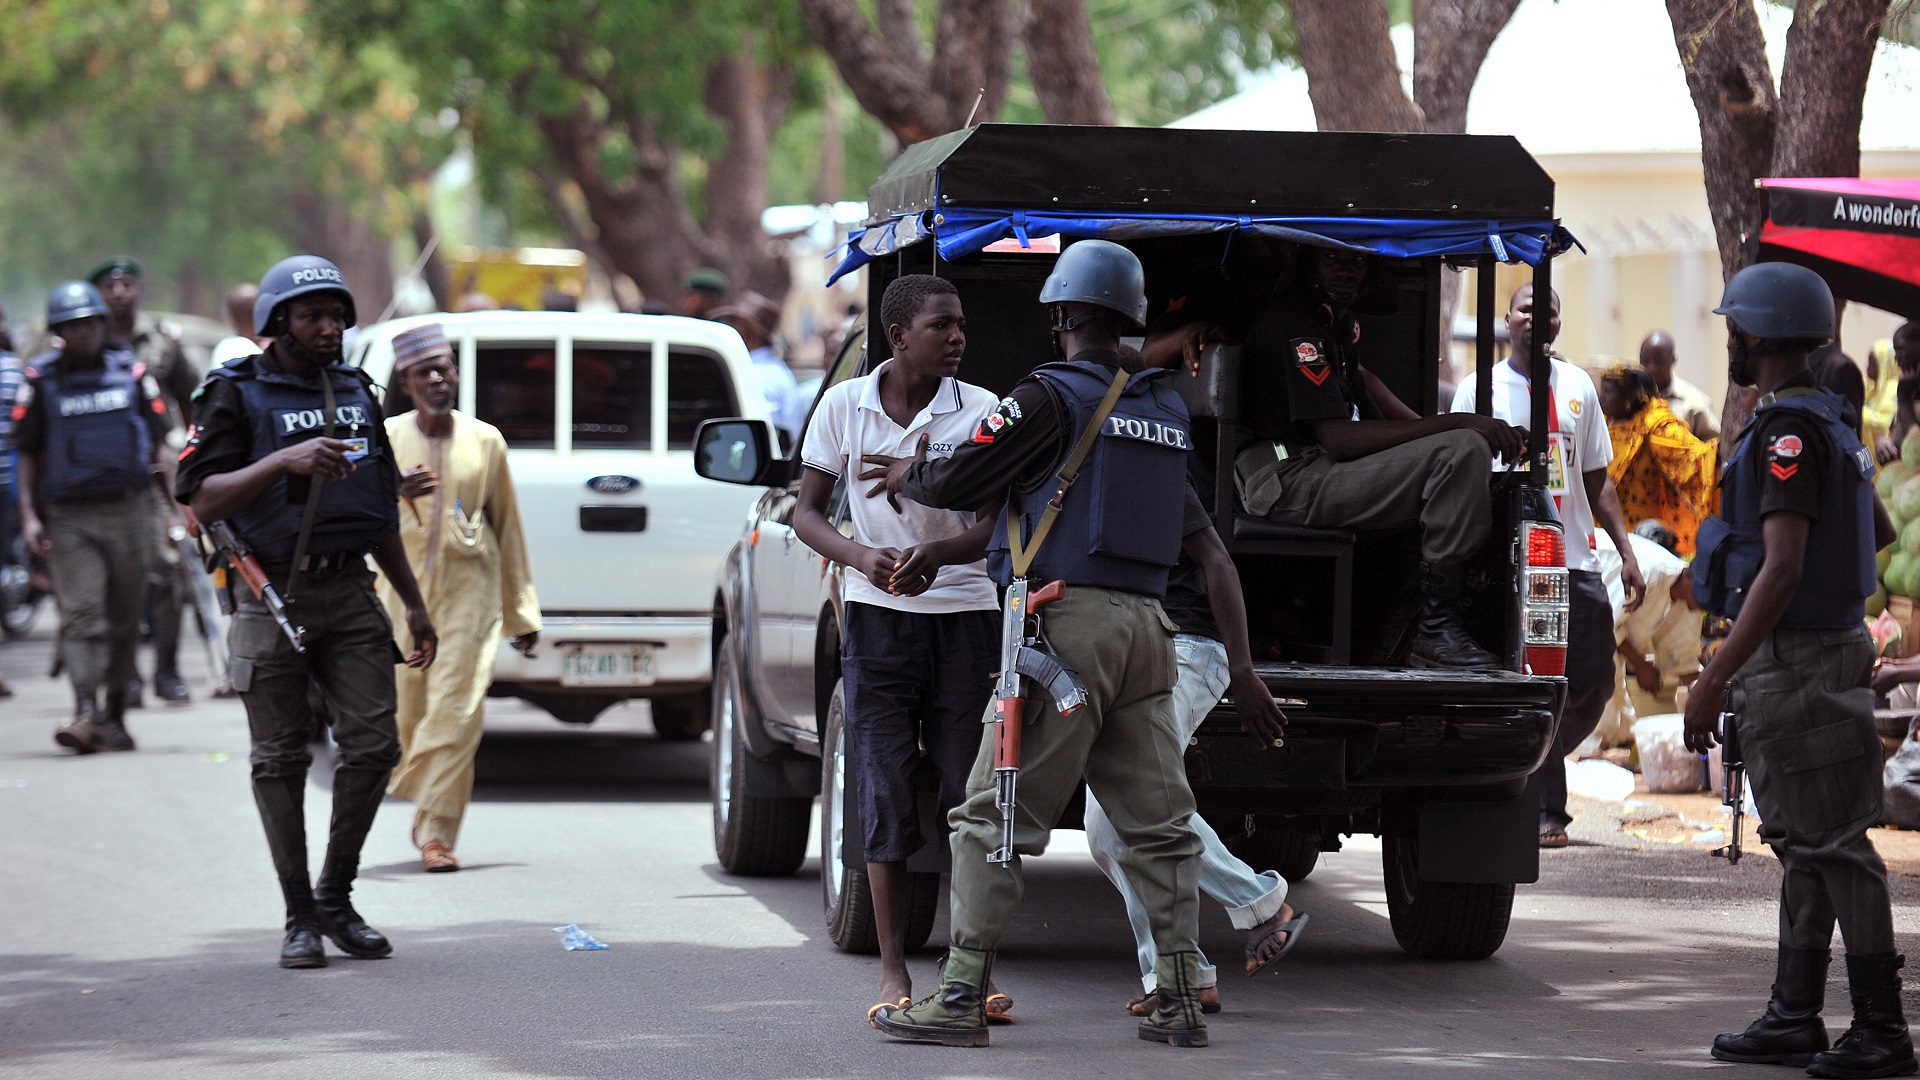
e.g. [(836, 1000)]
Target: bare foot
[(896, 986), (1265, 941)]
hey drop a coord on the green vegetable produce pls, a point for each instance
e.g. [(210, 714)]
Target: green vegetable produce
[(1910, 448), (1891, 477), (1881, 560), (1877, 603), (1906, 500)]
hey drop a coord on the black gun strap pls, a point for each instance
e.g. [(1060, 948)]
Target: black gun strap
[(313, 493)]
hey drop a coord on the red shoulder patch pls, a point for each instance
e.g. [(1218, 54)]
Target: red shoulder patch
[(1783, 472)]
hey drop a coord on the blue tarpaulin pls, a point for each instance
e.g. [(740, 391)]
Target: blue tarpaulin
[(959, 232)]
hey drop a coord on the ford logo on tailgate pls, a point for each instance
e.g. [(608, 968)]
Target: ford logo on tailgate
[(613, 485)]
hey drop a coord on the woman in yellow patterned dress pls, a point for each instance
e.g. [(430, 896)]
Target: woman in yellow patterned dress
[(1659, 469)]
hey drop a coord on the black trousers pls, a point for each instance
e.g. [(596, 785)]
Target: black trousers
[(1590, 677)]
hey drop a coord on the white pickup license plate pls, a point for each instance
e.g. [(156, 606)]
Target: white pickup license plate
[(606, 665)]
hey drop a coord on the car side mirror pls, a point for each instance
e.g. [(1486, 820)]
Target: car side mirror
[(735, 451)]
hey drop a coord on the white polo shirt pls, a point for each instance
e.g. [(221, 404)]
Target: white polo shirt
[(1579, 441), (850, 422)]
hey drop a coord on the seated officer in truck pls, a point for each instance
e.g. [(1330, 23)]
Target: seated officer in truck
[(1324, 443)]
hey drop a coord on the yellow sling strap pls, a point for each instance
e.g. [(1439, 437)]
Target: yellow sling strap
[(1023, 554)]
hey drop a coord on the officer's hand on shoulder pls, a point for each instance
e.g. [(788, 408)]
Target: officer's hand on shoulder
[(325, 458)]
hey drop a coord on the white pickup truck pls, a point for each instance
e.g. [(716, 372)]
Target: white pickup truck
[(599, 414)]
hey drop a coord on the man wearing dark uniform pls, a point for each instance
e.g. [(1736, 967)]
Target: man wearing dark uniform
[(1790, 559), (289, 446), (1325, 444), (154, 344), (1120, 530), (89, 432)]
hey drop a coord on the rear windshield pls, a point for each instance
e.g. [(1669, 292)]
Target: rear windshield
[(698, 388), (613, 395), (514, 391)]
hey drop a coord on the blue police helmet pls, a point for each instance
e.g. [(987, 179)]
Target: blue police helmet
[(1099, 272), (74, 300), (301, 275), (1779, 300)]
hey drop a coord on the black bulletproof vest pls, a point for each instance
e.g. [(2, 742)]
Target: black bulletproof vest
[(1120, 525), (1839, 572), (97, 442), (282, 411)]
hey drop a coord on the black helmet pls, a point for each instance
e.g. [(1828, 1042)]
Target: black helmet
[(1099, 272), (72, 301), (299, 276), (1779, 300)]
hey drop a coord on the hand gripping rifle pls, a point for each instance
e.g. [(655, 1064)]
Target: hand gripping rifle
[(229, 551), (1023, 657), (1733, 785)]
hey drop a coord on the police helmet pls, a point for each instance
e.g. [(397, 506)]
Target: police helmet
[(1779, 300), (1099, 272), (72, 301), (301, 275)]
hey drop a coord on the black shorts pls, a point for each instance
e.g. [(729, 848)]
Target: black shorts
[(913, 682)]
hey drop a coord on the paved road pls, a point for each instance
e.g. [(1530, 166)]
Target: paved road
[(139, 922)]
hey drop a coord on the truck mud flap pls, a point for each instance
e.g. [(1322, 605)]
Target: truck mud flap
[(1231, 761), (1497, 842)]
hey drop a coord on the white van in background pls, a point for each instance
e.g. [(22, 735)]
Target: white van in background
[(599, 413)]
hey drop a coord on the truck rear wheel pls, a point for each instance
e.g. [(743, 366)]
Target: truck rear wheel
[(1292, 855), (845, 891), (753, 835), (1442, 920)]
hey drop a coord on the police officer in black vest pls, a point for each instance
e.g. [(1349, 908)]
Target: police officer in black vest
[(289, 446), (90, 435), (1790, 559), (1120, 530)]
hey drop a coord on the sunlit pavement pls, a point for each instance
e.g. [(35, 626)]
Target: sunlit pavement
[(139, 923)]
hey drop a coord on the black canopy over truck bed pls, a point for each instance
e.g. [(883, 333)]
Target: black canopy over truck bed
[(1435, 762)]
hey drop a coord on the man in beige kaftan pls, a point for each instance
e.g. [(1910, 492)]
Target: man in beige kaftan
[(461, 526)]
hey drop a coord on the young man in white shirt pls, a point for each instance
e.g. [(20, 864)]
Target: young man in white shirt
[(1578, 450), (922, 634)]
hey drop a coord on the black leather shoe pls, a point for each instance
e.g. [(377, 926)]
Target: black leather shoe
[(170, 688), (302, 948), (113, 725), (346, 929), (1790, 1032), (82, 734), (1877, 1044)]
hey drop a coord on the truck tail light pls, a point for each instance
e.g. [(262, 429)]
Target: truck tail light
[(1543, 600)]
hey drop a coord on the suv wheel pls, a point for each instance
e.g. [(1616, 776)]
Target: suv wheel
[(1293, 855), (1442, 920), (845, 892), (682, 719), (752, 834)]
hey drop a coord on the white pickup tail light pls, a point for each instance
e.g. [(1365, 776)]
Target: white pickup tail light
[(1543, 601)]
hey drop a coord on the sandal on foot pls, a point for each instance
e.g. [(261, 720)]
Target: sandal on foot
[(999, 1008), (1554, 838), (874, 1012), (1146, 1003), (1292, 928)]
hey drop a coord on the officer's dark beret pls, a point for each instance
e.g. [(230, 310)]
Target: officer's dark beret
[(119, 264)]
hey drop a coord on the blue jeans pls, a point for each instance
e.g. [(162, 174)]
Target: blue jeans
[(1250, 898)]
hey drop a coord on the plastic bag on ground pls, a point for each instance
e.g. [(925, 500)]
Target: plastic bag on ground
[(1665, 761), (1597, 779), (572, 939)]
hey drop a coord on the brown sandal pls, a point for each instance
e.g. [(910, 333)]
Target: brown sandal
[(999, 1008), (873, 1013), (1146, 1003), (1554, 838), (438, 858)]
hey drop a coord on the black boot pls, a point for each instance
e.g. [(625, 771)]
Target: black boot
[(136, 692), (1877, 1044), (1790, 1032), (302, 947), (170, 687), (282, 803), (82, 734), (1442, 640), (113, 724), (167, 684), (356, 798)]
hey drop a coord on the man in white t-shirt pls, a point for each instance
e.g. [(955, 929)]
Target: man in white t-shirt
[(1578, 450), (921, 638)]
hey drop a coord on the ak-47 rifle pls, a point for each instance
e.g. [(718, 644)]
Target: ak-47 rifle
[(229, 551), (1733, 785), (1021, 656)]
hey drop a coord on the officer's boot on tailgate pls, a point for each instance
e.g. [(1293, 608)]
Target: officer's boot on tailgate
[(85, 663), (955, 1014), (1790, 1032), (1442, 641), (356, 798), (282, 803), (113, 723), (1877, 1044), (1177, 1018)]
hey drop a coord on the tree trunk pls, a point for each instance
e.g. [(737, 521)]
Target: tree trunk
[(1352, 75), (1450, 42), (1823, 87), (1063, 65), (642, 222), (434, 274), (830, 181), (331, 230), (751, 99)]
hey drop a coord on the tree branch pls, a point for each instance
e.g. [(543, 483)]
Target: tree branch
[(1352, 74), (1063, 65), (1450, 42), (884, 85), (1823, 87), (900, 26)]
